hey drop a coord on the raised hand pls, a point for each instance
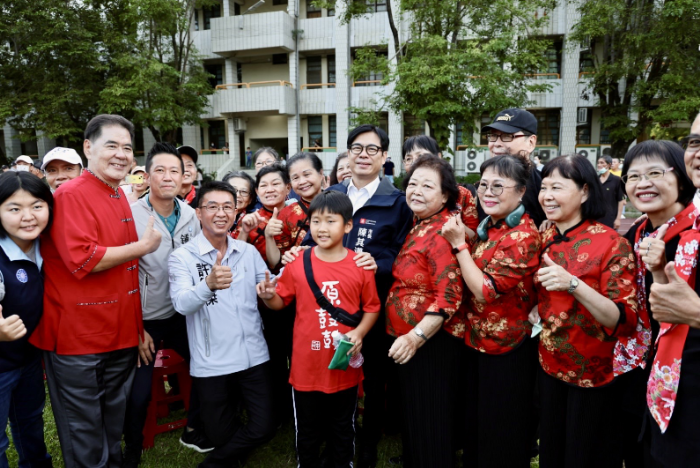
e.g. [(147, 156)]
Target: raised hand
[(11, 328), (366, 261), (274, 226), (676, 301), (151, 237), (454, 231), (552, 276), (266, 288), (653, 250), (250, 221), (220, 276), (293, 253)]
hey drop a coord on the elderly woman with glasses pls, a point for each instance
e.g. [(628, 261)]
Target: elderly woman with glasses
[(656, 183), (245, 197), (423, 316), (673, 390), (501, 357)]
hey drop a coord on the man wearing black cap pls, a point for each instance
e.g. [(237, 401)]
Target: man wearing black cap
[(188, 192), (514, 132)]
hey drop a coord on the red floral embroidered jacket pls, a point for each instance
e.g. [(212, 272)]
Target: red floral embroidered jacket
[(256, 237), (427, 280), (574, 346), (467, 207), (509, 259), (295, 225)]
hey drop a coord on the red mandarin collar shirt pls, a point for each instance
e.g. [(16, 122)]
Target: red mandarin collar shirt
[(574, 346), (509, 258), (427, 280), (86, 312)]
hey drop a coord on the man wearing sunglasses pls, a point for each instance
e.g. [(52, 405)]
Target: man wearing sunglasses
[(514, 132)]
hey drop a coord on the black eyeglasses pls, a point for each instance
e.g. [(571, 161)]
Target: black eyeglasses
[(371, 150), (691, 142), (505, 137)]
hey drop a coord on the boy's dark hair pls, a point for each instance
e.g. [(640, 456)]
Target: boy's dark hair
[(448, 184), (215, 186), (162, 148), (383, 137), (425, 142), (11, 182), (330, 201), (276, 167), (93, 131), (579, 169)]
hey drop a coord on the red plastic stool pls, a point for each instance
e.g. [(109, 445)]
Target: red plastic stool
[(167, 363)]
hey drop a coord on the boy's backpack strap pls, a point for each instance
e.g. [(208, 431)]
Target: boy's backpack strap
[(338, 314)]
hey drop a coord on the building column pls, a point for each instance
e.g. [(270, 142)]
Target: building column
[(234, 149), (13, 147), (292, 135), (191, 136), (231, 71), (395, 135), (343, 87), (44, 144), (148, 140), (569, 83), (227, 8)]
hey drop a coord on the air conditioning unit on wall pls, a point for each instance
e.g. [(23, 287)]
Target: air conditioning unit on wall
[(469, 160), (592, 153), (239, 125)]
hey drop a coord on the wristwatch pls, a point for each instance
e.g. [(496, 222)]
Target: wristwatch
[(420, 333), (573, 284), (457, 250)]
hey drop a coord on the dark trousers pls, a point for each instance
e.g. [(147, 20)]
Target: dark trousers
[(579, 427), (277, 328), (22, 399), (220, 397), (429, 398), (380, 375), (499, 389), (172, 332), (322, 416), (88, 396)]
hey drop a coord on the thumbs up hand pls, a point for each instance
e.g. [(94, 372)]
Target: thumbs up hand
[(552, 276), (653, 251), (676, 301), (266, 289), (274, 226), (151, 237), (220, 276), (11, 328)]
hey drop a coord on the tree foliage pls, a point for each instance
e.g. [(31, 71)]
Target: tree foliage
[(461, 58), (64, 62), (646, 63)]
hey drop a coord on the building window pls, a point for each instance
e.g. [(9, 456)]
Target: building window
[(553, 57), (485, 120), (604, 135), (376, 5), (332, 138), (312, 11), (583, 135), (373, 78), (548, 124), (138, 142), (236, 9), (217, 133), (585, 62), (239, 72), (196, 20), (280, 2), (218, 71), (315, 131), (331, 69), (412, 126), (213, 11), (313, 70), (462, 137)]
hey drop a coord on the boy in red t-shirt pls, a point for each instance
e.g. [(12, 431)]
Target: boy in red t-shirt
[(325, 400)]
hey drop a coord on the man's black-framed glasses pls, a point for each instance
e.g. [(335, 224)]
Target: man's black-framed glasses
[(505, 137), (691, 142), (371, 150)]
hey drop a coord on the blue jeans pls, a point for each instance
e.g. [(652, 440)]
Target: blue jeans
[(22, 398)]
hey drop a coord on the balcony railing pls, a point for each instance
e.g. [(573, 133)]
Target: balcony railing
[(316, 85), (255, 83)]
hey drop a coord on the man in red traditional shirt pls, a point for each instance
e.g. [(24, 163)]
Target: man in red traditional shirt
[(92, 321)]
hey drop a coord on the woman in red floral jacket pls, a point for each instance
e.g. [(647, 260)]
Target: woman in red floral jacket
[(501, 361), (587, 300), (422, 314)]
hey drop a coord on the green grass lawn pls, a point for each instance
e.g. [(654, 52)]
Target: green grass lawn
[(168, 453)]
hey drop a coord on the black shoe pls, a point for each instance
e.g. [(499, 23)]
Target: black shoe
[(196, 440), (132, 457)]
